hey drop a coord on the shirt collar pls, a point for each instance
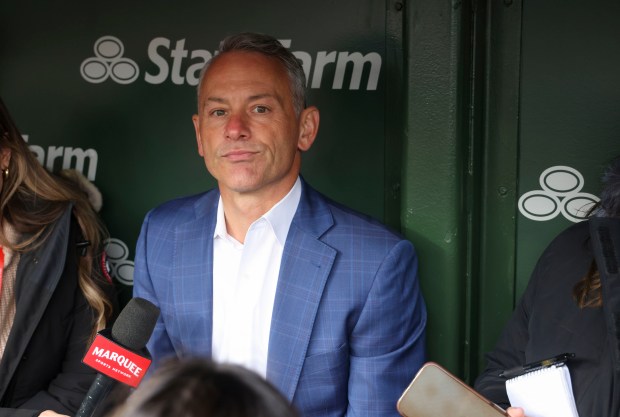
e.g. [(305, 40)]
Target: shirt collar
[(279, 217)]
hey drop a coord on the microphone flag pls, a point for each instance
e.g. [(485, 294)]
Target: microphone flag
[(113, 360)]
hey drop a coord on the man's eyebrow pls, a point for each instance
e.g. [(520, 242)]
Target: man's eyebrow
[(208, 101), (215, 99), (220, 100), (266, 95), (259, 96)]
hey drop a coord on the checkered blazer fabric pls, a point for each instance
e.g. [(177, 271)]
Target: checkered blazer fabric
[(348, 324)]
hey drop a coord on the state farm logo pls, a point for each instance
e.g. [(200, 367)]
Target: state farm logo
[(560, 193), (120, 266), (109, 62), (171, 61)]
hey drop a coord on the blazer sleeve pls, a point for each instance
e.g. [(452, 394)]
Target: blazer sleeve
[(388, 340), (159, 345)]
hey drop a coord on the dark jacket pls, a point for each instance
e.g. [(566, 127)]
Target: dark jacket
[(547, 322), (41, 367)]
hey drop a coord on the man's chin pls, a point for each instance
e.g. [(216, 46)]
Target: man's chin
[(241, 185)]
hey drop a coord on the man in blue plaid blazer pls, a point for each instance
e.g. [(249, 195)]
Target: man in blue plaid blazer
[(267, 272)]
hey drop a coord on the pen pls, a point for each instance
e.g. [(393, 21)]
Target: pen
[(533, 366)]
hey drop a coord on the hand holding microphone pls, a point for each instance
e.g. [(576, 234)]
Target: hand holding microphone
[(120, 354)]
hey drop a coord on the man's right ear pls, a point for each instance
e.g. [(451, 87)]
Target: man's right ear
[(196, 121)]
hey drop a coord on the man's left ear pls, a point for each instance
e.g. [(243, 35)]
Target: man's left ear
[(308, 128)]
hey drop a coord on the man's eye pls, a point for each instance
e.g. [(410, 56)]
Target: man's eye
[(218, 113), (260, 109)]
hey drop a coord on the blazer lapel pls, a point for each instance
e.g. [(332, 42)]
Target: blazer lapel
[(306, 264)]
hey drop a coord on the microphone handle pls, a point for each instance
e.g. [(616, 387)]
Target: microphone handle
[(98, 391)]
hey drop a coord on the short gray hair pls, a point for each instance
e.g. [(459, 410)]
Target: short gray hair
[(271, 47)]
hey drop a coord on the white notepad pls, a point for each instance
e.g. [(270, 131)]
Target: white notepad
[(546, 392)]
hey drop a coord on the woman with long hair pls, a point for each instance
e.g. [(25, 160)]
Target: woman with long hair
[(570, 306), (54, 292)]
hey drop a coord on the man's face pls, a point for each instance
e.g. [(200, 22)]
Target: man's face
[(246, 128)]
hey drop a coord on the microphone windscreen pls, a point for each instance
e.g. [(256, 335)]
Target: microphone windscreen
[(135, 324)]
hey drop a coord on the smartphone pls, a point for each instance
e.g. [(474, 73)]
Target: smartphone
[(435, 392)]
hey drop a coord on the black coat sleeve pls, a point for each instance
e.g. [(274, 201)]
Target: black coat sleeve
[(509, 352), (50, 374)]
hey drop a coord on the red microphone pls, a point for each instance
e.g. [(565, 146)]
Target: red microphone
[(120, 355), (111, 359)]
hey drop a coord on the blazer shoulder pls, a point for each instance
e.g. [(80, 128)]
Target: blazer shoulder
[(185, 208), (344, 220)]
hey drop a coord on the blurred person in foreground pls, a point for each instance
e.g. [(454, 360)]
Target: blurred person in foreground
[(566, 309), (266, 272), (193, 387), (54, 295)]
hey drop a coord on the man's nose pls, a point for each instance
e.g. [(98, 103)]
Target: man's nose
[(237, 127)]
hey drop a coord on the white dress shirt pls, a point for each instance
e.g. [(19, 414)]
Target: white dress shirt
[(245, 276)]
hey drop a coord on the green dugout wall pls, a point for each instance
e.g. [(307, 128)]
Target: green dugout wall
[(478, 128), (513, 111)]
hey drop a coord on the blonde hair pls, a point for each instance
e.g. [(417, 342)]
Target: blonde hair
[(32, 199)]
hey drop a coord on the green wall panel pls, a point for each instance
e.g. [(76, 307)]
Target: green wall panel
[(433, 175), (68, 71)]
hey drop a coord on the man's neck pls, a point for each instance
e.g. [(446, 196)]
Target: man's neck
[(243, 209), (240, 215)]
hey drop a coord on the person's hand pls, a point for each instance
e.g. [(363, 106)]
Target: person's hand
[(515, 412), (50, 413)]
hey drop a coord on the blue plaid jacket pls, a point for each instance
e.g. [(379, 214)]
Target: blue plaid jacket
[(348, 325)]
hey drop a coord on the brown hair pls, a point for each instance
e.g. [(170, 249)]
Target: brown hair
[(587, 292), (194, 387), (32, 199)]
